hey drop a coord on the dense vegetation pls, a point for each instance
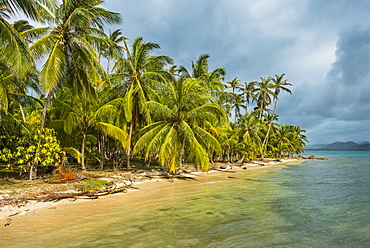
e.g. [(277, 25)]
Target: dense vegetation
[(71, 109)]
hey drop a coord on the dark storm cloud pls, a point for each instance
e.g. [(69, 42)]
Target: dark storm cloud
[(347, 89), (322, 46)]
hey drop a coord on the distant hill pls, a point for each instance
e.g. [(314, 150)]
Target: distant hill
[(341, 146)]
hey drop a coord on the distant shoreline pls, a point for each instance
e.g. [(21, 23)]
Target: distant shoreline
[(319, 149)]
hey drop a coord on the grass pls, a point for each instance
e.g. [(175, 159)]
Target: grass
[(88, 185)]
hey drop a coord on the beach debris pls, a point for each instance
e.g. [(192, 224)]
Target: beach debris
[(225, 167), (9, 221)]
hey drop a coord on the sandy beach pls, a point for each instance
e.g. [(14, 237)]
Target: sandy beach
[(10, 214)]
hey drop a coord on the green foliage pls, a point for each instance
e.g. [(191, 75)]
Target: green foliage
[(92, 184), (27, 150), (169, 115)]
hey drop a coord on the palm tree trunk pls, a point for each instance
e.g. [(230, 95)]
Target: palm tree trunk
[(43, 116), (33, 169), (102, 150), (128, 151), (22, 113), (265, 141), (83, 151), (108, 65)]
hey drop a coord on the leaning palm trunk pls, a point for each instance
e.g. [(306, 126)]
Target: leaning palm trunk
[(265, 141)]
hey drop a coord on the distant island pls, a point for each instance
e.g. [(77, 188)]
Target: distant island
[(349, 145)]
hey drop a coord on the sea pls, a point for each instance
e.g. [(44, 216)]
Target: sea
[(314, 203)]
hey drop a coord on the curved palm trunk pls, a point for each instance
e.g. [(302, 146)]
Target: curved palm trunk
[(265, 141)]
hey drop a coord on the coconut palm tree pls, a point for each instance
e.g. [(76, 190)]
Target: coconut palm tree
[(249, 128), (70, 57), (141, 72), (234, 84), (279, 84), (263, 92), (281, 140), (200, 71), (177, 129), (84, 114), (298, 139), (110, 47), (13, 47), (247, 91)]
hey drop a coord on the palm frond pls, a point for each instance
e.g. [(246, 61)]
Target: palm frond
[(74, 152), (114, 132)]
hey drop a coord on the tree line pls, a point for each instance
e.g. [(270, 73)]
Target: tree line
[(137, 105)]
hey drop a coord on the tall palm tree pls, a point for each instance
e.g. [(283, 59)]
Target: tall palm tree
[(200, 71), (237, 103), (247, 91), (67, 47), (234, 84), (278, 84), (141, 72), (110, 47), (177, 129), (263, 91), (70, 57)]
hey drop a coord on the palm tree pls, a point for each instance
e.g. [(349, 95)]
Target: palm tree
[(263, 91), (234, 84), (247, 91), (67, 47), (237, 103), (298, 139), (143, 72), (13, 47), (84, 114), (249, 128), (279, 84), (200, 70), (281, 140), (70, 57), (110, 47), (177, 129)]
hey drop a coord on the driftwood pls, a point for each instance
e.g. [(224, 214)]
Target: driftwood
[(57, 196)]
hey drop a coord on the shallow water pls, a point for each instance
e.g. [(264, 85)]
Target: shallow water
[(319, 203)]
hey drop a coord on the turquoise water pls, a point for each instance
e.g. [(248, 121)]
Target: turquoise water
[(318, 203)]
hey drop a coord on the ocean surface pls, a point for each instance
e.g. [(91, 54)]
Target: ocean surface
[(317, 203)]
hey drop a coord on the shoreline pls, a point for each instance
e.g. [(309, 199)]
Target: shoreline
[(9, 212)]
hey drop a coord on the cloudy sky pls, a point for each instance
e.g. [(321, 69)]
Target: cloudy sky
[(323, 47)]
